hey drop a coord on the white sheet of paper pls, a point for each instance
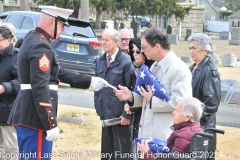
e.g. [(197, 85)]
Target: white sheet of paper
[(109, 85)]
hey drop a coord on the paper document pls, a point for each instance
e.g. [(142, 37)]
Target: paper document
[(109, 85)]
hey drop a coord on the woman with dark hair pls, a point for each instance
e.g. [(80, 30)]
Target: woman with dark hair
[(206, 83), (9, 88), (138, 58)]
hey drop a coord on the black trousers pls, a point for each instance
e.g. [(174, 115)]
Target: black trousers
[(116, 144)]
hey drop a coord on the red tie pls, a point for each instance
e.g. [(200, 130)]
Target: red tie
[(108, 61)]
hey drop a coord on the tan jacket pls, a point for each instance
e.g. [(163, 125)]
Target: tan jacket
[(176, 78)]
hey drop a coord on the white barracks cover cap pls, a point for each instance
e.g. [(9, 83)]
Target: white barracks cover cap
[(60, 13)]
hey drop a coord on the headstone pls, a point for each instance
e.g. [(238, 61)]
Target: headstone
[(234, 96), (235, 36), (186, 59), (230, 82), (122, 25), (188, 33), (169, 29), (229, 60), (225, 92), (238, 64), (116, 25), (224, 35), (136, 28), (216, 59), (173, 38)]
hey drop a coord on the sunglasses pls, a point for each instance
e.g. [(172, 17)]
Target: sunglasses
[(138, 52)]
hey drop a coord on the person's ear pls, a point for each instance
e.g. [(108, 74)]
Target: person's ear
[(188, 118)]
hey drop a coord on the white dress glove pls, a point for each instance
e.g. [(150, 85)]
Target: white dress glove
[(53, 134), (97, 83)]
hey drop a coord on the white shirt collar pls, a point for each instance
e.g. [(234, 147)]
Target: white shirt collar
[(113, 56)]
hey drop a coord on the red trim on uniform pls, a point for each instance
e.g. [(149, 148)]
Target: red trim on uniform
[(45, 104), (44, 63), (14, 124), (39, 145)]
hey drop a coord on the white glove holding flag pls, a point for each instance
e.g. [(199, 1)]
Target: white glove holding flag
[(98, 83), (53, 134)]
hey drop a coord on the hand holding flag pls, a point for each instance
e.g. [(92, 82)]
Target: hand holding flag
[(145, 78)]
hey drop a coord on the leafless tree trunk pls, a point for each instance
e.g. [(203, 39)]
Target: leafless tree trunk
[(85, 10), (98, 19), (24, 5)]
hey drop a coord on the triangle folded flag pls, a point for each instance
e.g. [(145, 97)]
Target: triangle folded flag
[(155, 145), (145, 78)]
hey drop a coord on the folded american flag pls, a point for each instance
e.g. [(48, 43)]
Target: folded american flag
[(155, 145), (144, 78)]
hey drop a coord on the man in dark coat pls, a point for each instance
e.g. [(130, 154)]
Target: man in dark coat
[(34, 113), (115, 67)]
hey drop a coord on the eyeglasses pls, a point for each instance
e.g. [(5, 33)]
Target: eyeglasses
[(138, 52), (144, 47), (125, 39)]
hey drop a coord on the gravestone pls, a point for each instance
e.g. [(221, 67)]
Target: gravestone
[(186, 59), (235, 36), (216, 59), (136, 28), (238, 64), (225, 92), (122, 25), (229, 60), (173, 38), (230, 82), (234, 96), (224, 35), (169, 29), (188, 33), (116, 25)]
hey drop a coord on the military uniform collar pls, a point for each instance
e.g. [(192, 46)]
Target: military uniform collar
[(44, 34)]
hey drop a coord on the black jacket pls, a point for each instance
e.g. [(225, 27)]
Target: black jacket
[(37, 65), (107, 105), (206, 86), (9, 79)]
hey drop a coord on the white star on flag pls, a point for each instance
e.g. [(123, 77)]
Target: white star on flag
[(153, 77), (142, 75), (138, 89), (153, 89), (163, 90)]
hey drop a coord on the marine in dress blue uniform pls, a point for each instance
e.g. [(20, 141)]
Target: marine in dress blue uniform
[(35, 110)]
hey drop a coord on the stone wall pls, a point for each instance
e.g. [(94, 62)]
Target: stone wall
[(194, 20)]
